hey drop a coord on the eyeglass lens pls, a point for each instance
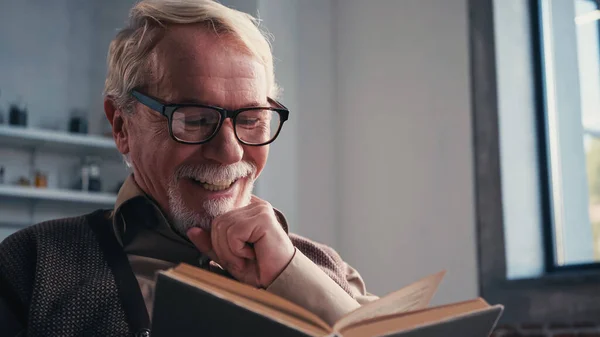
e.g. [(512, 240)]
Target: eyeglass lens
[(196, 124)]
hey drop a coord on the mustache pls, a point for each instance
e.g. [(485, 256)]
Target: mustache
[(214, 172)]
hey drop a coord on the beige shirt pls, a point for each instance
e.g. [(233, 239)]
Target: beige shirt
[(152, 245)]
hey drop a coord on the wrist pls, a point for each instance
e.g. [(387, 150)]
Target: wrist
[(280, 270)]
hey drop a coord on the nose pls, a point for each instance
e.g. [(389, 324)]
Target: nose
[(224, 148)]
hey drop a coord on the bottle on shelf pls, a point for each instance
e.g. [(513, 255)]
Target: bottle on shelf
[(78, 122), (41, 180), (17, 114), (95, 184), (90, 180)]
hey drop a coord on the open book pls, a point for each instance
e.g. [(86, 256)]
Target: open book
[(192, 301)]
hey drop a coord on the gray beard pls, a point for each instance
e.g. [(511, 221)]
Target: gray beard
[(184, 218)]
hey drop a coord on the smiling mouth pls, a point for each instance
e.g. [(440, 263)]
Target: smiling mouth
[(215, 186)]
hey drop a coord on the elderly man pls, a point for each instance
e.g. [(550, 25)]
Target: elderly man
[(191, 97)]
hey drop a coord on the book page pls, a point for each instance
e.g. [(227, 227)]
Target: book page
[(415, 296), (258, 296), (453, 320)]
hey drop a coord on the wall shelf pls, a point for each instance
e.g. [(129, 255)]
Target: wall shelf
[(33, 193), (13, 224), (59, 142)]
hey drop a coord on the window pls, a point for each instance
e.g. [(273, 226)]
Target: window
[(569, 55), (530, 132), (588, 39)]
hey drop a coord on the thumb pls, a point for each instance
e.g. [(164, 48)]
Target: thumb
[(255, 199), (201, 239)]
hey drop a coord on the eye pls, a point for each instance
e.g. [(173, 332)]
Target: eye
[(196, 117), (247, 121), (253, 118), (200, 121)]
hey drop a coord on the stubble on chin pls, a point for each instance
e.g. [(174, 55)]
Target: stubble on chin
[(184, 217)]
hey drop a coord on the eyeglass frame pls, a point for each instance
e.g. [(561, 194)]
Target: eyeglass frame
[(167, 110)]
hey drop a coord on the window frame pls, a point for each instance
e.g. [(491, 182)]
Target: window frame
[(568, 296)]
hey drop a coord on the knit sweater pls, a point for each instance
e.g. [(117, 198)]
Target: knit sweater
[(70, 277)]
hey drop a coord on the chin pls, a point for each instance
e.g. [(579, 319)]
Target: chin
[(186, 215), (191, 207)]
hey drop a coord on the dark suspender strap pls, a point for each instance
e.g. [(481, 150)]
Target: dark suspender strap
[(12, 314), (127, 285)]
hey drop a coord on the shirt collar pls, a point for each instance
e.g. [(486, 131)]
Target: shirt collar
[(142, 228)]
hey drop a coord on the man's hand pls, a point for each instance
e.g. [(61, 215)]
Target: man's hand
[(248, 242)]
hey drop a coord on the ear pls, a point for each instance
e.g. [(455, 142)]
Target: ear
[(119, 125)]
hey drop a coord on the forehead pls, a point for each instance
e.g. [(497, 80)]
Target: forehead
[(194, 62)]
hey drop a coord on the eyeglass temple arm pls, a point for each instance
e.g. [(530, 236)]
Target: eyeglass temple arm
[(149, 102), (276, 102)]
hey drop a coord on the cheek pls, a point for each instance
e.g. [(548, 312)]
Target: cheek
[(151, 145), (257, 155)]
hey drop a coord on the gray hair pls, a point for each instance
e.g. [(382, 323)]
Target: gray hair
[(131, 50)]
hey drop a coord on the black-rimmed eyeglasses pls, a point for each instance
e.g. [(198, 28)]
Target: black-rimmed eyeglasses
[(198, 123)]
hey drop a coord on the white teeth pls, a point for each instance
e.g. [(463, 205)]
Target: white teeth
[(217, 186), (212, 187)]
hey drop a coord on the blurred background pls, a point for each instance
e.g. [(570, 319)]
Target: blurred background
[(377, 159)]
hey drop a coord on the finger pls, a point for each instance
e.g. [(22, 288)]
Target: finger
[(257, 232), (245, 221), (245, 234), (254, 206), (262, 205), (222, 249), (202, 240), (240, 213), (254, 199), (237, 243)]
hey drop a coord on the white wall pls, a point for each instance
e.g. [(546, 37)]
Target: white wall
[(318, 145), (380, 135), (305, 68), (405, 140)]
